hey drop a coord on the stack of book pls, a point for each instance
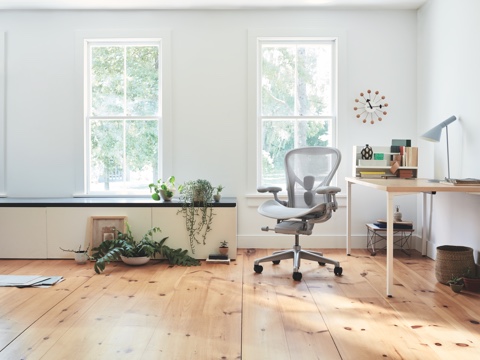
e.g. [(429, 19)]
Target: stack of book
[(372, 174), (397, 225), (408, 153), (466, 181)]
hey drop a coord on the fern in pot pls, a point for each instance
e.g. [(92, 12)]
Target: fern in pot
[(133, 252)]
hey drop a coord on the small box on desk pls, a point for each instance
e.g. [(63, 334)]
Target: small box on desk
[(405, 173)]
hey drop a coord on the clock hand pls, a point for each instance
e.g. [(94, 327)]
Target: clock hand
[(368, 101)]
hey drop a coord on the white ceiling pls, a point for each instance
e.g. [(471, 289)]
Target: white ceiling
[(209, 4)]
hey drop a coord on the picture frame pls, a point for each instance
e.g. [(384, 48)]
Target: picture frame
[(106, 228)]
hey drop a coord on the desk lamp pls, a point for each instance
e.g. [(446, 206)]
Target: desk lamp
[(434, 135)]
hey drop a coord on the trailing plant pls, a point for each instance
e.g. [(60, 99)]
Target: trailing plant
[(197, 210), (125, 245), (167, 187)]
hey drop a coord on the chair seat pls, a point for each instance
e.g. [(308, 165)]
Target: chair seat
[(274, 210)]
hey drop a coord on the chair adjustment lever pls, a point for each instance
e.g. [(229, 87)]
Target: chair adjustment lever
[(265, 228)]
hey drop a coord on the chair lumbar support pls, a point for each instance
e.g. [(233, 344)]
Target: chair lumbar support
[(311, 200)]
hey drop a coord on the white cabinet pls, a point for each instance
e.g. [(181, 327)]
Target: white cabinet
[(23, 233), (37, 228), (381, 163)]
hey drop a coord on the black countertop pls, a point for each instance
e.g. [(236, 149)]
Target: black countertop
[(103, 202)]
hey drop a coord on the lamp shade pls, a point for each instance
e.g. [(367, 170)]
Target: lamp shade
[(435, 133)]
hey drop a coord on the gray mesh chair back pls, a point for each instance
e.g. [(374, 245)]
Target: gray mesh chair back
[(306, 170)]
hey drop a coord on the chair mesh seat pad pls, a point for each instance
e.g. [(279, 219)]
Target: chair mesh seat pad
[(274, 210)]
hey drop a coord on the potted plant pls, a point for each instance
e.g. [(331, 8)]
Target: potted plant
[(133, 252), (471, 281), (223, 249), (456, 283), (163, 189), (197, 210), (80, 256), (217, 196)]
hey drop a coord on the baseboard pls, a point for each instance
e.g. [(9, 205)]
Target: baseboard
[(286, 241), (313, 241)]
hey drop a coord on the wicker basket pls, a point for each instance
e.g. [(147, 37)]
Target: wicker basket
[(453, 261)]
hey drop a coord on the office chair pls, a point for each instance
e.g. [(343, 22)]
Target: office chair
[(311, 200)]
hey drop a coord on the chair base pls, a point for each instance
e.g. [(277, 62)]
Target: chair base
[(296, 253)]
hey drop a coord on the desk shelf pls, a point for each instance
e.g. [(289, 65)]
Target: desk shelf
[(377, 166)]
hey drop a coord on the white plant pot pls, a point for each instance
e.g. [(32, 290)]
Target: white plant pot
[(80, 257), (141, 260)]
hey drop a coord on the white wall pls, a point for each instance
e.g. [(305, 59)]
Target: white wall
[(448, 78), (209, 98)]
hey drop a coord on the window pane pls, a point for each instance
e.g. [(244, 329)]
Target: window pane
[(278, 80), (107, 77), (106, 154), (280, 136), (123, 160), (142, 80), (296, 80), (141, 153)]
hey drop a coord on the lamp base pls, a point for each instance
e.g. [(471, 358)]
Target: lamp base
[(434, 180)]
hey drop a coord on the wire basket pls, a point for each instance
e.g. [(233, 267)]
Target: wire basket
[(453, 261)]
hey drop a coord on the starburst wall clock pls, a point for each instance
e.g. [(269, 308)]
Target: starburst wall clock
[(370, 107)]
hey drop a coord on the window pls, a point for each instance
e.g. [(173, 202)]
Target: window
[(296, 87), (123, 115)]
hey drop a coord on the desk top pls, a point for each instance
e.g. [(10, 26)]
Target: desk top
[(412, 185)]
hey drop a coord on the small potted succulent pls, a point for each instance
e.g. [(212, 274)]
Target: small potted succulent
[(80, 256), (223, 249), (163, 189), (456, 283), (217, 196)]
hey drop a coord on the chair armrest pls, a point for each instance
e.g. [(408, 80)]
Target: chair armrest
[(270, 189), (328, 190), (274, 190)]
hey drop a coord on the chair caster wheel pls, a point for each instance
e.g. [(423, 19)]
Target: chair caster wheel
[(276, 262), (321, 263), (297, 276), (258, 269), (338, 270)]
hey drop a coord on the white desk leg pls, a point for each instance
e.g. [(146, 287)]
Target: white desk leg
[(349, 217), (390, 198), (424, 225)]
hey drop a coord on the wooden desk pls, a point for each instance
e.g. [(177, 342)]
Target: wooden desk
[(395, 187)]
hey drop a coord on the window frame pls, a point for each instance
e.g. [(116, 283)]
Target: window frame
[(81, 128), (255, 37)]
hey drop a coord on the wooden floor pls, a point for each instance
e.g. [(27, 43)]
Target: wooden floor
[(218, 311)]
